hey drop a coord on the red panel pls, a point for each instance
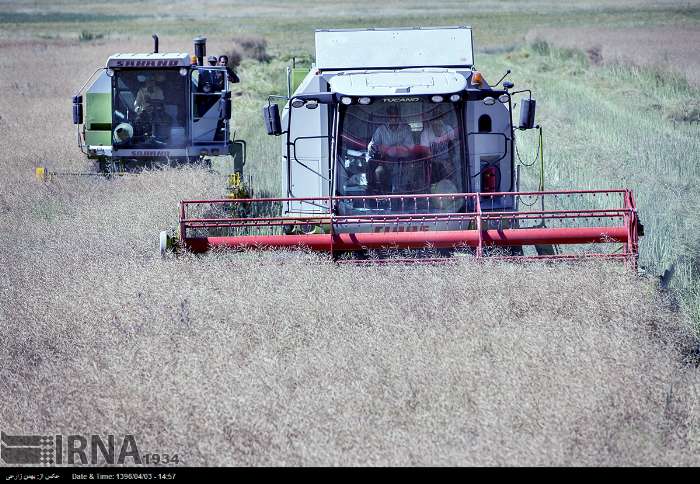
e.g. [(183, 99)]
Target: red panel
[(415, 240), (320, 242)]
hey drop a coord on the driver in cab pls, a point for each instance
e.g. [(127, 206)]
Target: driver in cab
[(151, 119), (391, 142), (148, 93)]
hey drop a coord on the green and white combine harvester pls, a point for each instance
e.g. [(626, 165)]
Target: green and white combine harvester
[(144, 110)]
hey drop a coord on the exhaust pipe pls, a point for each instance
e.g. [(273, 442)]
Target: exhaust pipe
[(200, 49), (155, 43)]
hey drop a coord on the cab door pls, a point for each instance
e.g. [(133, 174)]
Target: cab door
[(210, 106)]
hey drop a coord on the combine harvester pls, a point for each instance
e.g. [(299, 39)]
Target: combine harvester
[(153, 109), (394, 143)]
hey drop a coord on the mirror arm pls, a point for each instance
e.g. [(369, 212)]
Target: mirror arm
[(529, 92)]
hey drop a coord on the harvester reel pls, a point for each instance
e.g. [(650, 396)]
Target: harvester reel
[(476, 231)]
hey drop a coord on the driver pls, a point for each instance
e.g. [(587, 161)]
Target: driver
[(148, 92), (149, 107), (438, 138), (437, 135), (391, 142)]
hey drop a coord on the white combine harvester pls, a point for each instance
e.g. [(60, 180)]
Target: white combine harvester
[(393, 140)]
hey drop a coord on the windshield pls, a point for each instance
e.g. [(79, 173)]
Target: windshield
[(149, 109), (392, 148)]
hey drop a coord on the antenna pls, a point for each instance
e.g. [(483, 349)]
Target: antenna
[(504, 76)]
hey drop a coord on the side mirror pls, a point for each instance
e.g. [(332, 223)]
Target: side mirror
[(508, 85), (237, 150), (271, 115), (527, 114), (77, 109)]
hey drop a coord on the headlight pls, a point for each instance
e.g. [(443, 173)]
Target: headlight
[(364, 100), (123, 132), (437, 99), (183, 71), (489, 101), (346, 100), (504, 98), (454, 98), (110, 72)]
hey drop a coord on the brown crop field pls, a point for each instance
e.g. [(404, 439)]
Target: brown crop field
[(291, 359), (672, 49)]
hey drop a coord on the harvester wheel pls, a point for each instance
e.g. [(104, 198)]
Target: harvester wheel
[(165, 243), (546, 249), (303, 229)]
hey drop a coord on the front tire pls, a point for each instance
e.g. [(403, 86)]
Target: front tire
[(164, 243)]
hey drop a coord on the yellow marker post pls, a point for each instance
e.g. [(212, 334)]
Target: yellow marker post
[(234, 180), (236, 187), (40, 173)]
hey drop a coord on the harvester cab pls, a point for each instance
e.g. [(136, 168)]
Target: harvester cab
[(393, 139), (412, 118), (153, 108)]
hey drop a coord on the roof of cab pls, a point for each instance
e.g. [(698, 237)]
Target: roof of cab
[(407, 81)]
